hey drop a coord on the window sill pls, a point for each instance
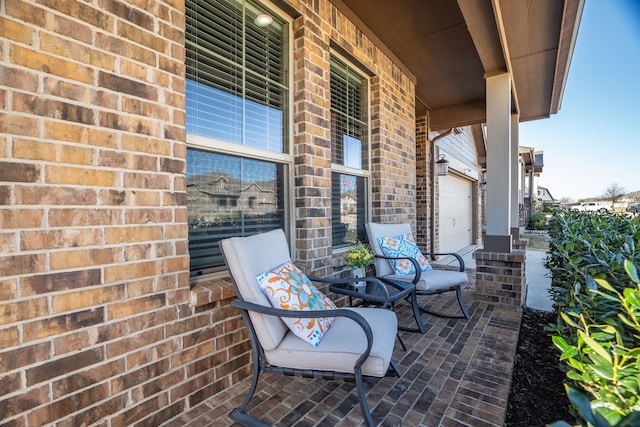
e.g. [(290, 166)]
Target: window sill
[(210, 291)]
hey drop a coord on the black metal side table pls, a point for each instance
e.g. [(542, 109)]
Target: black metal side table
[(384, 293)]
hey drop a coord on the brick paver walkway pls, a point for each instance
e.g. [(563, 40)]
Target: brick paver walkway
[(456, 374)]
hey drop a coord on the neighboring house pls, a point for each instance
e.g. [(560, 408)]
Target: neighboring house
[(531, 163), (544, 195), (134, 135)]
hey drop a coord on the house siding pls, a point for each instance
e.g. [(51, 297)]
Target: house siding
[(465, 165), (98, 321)]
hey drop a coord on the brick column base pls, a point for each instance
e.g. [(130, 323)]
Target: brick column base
[(521, 244), (500, 278)]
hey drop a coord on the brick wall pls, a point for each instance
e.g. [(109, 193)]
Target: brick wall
[(393, 147), (424, 200), (392, 120), (501, 277), (97, 319), (95, 314)]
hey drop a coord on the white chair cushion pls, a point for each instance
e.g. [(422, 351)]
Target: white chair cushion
[(265, 251), (434, 280), (342, 345)]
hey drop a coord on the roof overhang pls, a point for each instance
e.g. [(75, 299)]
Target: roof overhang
[(532, 160), (449, 47)]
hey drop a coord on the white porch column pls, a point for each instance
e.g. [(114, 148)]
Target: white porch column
[(499, 164), (515, 177)]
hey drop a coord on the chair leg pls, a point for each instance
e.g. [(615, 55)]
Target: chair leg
[(362, 396), (465, 314), (246, 420), (404, 347), (461, 302), (238, 414), (413, 301), (416, 312), (393, 368)]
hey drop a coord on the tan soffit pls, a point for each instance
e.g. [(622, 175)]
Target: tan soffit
[(450, 46)]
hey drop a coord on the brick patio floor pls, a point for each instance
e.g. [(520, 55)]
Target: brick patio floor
[(456, 374)]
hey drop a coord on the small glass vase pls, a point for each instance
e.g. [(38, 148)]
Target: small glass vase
[(357, 272)]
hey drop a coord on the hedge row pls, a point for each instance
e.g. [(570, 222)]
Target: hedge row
[(593, 260)]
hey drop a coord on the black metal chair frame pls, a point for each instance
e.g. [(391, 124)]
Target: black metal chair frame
[(457, 288), (381, 297), (260, 363)]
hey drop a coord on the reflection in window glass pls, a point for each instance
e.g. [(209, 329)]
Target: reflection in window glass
[(348, 209), (229, 196)]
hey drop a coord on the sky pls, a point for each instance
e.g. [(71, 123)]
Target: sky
[(594, 140)]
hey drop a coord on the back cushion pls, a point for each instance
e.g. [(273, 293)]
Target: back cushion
[(376, 230), (248, 257)]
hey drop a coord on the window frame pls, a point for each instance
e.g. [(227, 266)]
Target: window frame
[(365, 171), (284, 158)]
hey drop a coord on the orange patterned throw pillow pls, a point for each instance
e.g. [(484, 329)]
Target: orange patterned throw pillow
[(288, 288)]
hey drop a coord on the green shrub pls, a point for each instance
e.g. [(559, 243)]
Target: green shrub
[(593, 259), (537, 221), (582, 405)]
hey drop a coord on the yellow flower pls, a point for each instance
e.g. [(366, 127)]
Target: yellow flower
[(358, 256)]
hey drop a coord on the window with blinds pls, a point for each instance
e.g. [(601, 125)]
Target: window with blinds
[(237, 95), (349, 116), (237, 79), (349, 153)]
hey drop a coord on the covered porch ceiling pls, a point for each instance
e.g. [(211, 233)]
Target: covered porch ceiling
[(450, 46)]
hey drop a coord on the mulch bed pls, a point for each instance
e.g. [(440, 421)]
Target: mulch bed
[(537, 396)]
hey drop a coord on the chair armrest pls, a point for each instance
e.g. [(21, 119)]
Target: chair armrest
[(458, 257), (380, 286), (416, 266), (338, 312)]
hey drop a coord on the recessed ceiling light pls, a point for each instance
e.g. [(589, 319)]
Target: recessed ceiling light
[(263, 20)]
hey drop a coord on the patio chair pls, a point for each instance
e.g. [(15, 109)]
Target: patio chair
[(359, 342), (401, 264)]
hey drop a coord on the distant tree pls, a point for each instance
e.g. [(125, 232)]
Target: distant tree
[(566, 200), (613, 193)]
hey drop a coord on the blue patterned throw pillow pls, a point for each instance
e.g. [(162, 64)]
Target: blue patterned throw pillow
[(403, 246)]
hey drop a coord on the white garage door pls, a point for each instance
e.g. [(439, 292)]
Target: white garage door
[(456, 213)]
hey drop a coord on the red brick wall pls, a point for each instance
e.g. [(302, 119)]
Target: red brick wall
[(95, 314), (425, 197), (392, 140), (97, 319)]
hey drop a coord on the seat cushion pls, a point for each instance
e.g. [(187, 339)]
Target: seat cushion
[(288, 288), (342, 345), (435, 280), (403, 245)]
